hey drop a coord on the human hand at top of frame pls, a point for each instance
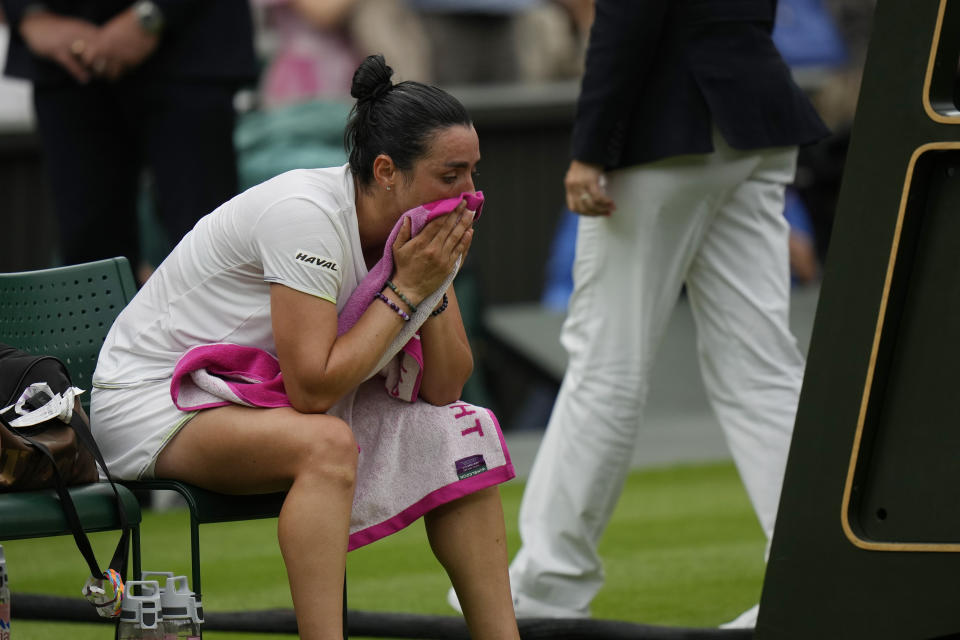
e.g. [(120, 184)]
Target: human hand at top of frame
[(119, 46), (324, 14), (580, 12), (584, 183), (55, 37), (421, 263)]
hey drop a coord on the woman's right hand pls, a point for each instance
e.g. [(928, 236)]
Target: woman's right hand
[(586, 195), (423, 262)]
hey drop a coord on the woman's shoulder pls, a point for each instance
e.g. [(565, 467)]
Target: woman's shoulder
[(331, 188)]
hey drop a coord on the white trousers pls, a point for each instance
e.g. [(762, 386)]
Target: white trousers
[(715, 223)]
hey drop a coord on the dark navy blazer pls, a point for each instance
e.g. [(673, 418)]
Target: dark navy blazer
[(661, 73)]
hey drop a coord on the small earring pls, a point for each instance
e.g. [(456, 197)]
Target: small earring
[(388, 188)]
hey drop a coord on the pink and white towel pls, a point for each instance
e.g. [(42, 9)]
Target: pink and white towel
[(215, 375), (402, 363), (413, 456)]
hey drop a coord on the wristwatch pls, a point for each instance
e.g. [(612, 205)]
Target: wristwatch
[(149, 16)]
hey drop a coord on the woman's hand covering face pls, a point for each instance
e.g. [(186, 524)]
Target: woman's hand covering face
[(423, 262)]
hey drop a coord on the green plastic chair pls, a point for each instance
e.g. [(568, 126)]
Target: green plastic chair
[(84, 300), (65, 312)]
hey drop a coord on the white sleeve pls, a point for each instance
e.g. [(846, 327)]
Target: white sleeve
[(300, 246)]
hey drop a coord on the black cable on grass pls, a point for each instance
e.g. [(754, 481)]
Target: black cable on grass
[(385, 625)]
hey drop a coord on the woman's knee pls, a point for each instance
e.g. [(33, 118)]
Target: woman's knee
[(324, 447)]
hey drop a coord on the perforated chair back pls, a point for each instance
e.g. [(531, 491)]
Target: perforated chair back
[(65, 312)]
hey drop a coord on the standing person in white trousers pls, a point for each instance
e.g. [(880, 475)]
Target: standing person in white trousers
[(692, 119), (715, 223)]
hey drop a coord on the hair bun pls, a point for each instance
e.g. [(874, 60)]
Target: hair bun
[(371, 79)]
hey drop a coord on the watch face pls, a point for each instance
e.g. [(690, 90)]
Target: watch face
[(149, 16)]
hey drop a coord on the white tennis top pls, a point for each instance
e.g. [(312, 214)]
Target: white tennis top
[(298, 229)]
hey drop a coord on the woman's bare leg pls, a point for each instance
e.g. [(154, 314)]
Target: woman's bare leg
[(240, 450), (470, 541)]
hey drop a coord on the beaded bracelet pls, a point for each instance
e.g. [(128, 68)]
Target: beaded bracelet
[(441, 308), (392, 305), (412, 306)]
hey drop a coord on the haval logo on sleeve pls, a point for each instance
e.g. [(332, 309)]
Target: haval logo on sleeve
[(308, 258)]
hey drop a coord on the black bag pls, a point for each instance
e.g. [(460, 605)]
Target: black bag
[(52, 454)]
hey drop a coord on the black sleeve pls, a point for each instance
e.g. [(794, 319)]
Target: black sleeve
[(13, 11), (623, 39), (176, 12)]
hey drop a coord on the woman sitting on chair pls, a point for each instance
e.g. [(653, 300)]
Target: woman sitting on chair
[(267, 278)]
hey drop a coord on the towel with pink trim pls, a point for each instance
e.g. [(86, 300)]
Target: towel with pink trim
[(215, 375), (413, 457), (402, 362)]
